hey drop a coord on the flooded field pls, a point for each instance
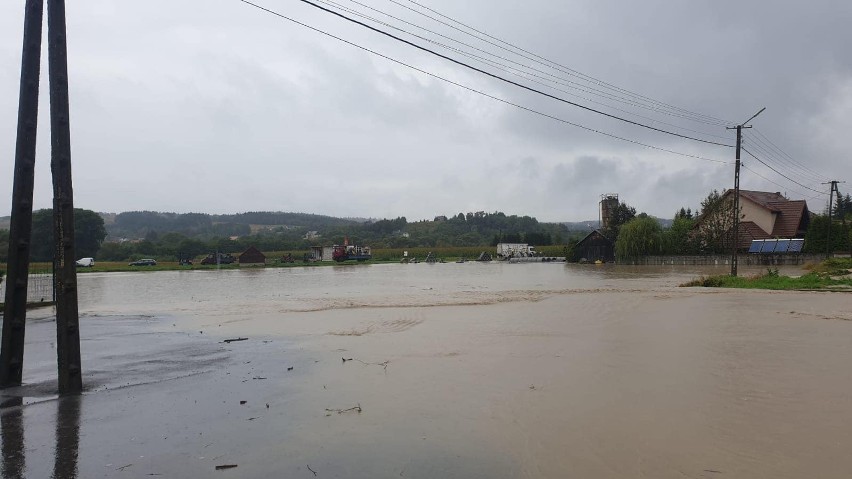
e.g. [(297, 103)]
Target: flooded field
[(447, 370)]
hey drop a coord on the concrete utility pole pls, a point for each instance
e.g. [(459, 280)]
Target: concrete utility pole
[(834, 190), (67, 315), (736, 212)]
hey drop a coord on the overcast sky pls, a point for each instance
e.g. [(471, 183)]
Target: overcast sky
[(215, 106)]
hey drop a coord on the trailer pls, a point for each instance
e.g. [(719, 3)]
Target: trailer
[(515, 250), (348, 252)]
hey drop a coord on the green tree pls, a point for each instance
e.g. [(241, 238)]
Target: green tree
[(4, 245), (843, 206), (89, 233), (641, 236), (621, 215), (115, 252), (816, 236), (679, 239), (715, 223)]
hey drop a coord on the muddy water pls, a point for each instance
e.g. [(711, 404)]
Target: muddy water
[(459, 370)]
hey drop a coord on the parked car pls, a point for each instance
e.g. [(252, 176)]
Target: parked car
[(224, 258), (143, 262), (86, 262)]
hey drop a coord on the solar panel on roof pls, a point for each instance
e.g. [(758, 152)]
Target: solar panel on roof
[(796, 246), (755, 246), (768, 246), (782, 246)]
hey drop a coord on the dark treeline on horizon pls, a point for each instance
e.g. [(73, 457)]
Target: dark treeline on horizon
[(168, 236)]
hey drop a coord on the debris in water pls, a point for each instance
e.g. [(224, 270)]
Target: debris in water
[(225, 466), (341, 411), (243, 402), (382, 364), (234, 340), (309, 468)]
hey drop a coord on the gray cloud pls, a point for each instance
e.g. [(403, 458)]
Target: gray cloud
[(216, 107)]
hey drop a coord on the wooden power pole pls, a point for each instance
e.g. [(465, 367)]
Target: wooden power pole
[(20, 229)]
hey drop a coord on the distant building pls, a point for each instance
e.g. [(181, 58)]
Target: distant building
[(322, 253), (311, 235), (252, 257), (595, 247)]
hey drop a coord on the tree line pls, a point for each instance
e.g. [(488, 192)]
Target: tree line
[(170, 236)]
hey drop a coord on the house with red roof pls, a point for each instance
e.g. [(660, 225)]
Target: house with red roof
[(764, 215)]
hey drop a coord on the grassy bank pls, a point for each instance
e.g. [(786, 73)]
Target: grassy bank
[(772, 280)]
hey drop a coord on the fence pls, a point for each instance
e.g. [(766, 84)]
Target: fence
[(39, 287), (721, 260)]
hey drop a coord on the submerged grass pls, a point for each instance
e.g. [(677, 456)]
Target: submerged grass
[(772, 280), (832, 267)]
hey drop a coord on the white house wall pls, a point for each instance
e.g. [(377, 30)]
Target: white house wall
[(751, 211)]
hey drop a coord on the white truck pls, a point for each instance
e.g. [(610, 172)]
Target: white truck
[(86, 262), (514, 250)]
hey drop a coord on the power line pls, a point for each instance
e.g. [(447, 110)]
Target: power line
[(556, 79), (769, 157), (511, 82), (502, 100), (782, 174), (709, 119), (815, 197), (517, 72), (786, 155)]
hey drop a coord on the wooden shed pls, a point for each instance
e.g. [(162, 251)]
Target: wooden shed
[(252, 257), (595, 247)]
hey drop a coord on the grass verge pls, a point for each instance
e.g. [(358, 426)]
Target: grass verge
[(772, 280)]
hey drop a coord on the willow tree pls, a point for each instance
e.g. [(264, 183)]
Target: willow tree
[(641, 236)]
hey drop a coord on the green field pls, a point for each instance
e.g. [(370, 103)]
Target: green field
[(273, 259)]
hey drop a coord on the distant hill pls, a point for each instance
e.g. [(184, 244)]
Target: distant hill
[(589, 225), (138, 224), (581, 226)]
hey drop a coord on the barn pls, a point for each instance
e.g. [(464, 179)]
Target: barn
[(252, 257), (595, 247)]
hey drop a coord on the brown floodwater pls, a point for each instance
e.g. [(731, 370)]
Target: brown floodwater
[(447, 370)]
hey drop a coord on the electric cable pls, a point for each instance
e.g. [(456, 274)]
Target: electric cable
[(710, 119), (506, 80), (519, 73), (473, 90), (557, 79), (815, 197), (782, 174), (786, 155), (770, 158)]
